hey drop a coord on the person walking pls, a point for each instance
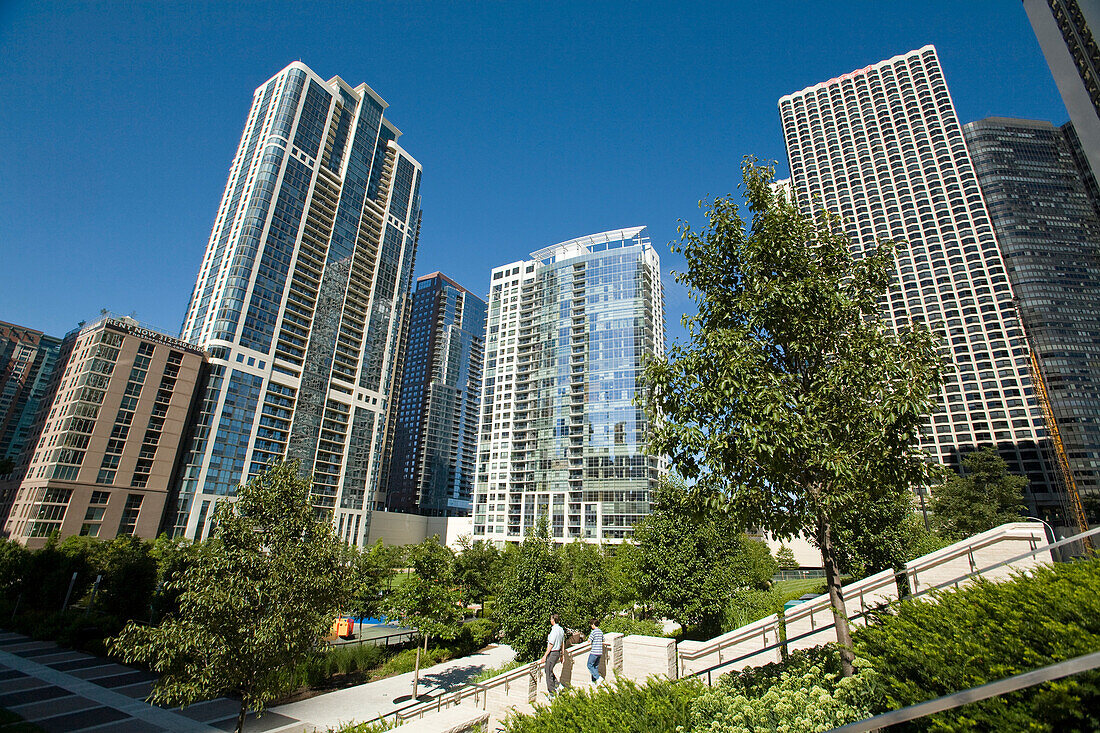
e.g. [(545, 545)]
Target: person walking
[(555, 641), (595, 638)]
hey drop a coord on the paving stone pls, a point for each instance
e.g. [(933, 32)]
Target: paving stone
[(82, 663), (23, 683), (71, 722), (210, 710), (126, 678), (35, 652), (38, 694), (138, 691), (10, 674), (56, 706), (104, 670)]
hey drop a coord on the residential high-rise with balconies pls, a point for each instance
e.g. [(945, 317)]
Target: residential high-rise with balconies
[(882, 147), (27, 362), (1049, 236), (109, 439), (562, 434), (300, 299), (435, 439)]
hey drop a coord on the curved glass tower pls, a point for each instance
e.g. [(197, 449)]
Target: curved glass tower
[(561, 434)]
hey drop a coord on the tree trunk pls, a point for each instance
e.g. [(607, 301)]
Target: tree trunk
[(416, 670), (836, 596), (241, 715)]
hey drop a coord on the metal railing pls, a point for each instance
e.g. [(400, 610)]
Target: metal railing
[(975, 694), (374, 641), (941, 586)]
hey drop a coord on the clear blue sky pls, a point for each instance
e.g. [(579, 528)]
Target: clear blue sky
[(535, 122)]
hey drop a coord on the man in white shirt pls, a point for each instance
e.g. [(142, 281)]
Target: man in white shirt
[(555, 641)]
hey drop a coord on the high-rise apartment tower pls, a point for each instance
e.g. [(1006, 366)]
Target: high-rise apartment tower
[(561, 432), (882, 148), (1065, 32), (103, 463), (1050, 240), (300, 300), (435, 441), (27, 362)]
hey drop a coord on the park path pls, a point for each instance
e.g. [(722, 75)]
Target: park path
[(367, 701)]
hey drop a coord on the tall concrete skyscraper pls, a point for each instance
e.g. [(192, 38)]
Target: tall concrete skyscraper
[(1050, 240), (300, 299), (882, 147), (435, 441), (1065, 31), (561, 434)]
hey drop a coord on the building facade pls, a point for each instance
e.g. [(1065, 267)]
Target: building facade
[(1064, 30), (882, 147), (561, 433), (435, 440), (108, 446), (27, 362), (300, 301), (1049, 236)]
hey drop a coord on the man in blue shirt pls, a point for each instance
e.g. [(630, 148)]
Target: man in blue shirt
[(596, 639)]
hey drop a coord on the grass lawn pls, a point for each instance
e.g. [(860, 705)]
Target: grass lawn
[(789, 590)]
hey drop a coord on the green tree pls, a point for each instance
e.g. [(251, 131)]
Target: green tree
[(586, 577), (477, 569), (371, 570), (689, 566), (794, 404), (254, 602), (985, 496), (784, 558), (533, 588), (428, 600), (129, 578)]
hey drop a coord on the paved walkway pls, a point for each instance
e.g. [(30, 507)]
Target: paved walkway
[(367, 701), (66, 691)]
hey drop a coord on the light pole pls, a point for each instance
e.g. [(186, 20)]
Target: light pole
[(1053, 537)]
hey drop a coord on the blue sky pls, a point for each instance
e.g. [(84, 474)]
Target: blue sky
[(535, 122)]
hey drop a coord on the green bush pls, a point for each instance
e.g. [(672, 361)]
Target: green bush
[(405, 661), (351, 658), (804, 694), (626, 626), (659, 706), (491, 672), (927, 648), (378, 727), (475, 635)]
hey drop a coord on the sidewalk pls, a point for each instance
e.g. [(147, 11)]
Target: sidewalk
[(364, 702)]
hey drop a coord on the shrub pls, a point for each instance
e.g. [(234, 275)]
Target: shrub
[(351, 658), (475, 635), (985, 632), (378, 727), (626, 626), (806, 693), (656, 707), (491, 672), (405, 661)]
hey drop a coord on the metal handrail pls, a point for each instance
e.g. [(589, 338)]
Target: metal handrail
[(954, 582), (1021, 681), (888, 577)]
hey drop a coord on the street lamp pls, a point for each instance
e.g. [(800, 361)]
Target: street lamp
[(1053, 537)]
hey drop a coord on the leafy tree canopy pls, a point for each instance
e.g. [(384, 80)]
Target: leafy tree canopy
[(255, 600), (533, 588), (794, 404), (985, 496), (689, 566)]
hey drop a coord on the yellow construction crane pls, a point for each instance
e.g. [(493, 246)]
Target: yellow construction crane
[(1073, 500)]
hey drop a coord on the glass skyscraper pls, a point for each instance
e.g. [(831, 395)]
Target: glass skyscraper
[(1049, 235), (882, 147), (561, 432), (300, 300), (435, 440)]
